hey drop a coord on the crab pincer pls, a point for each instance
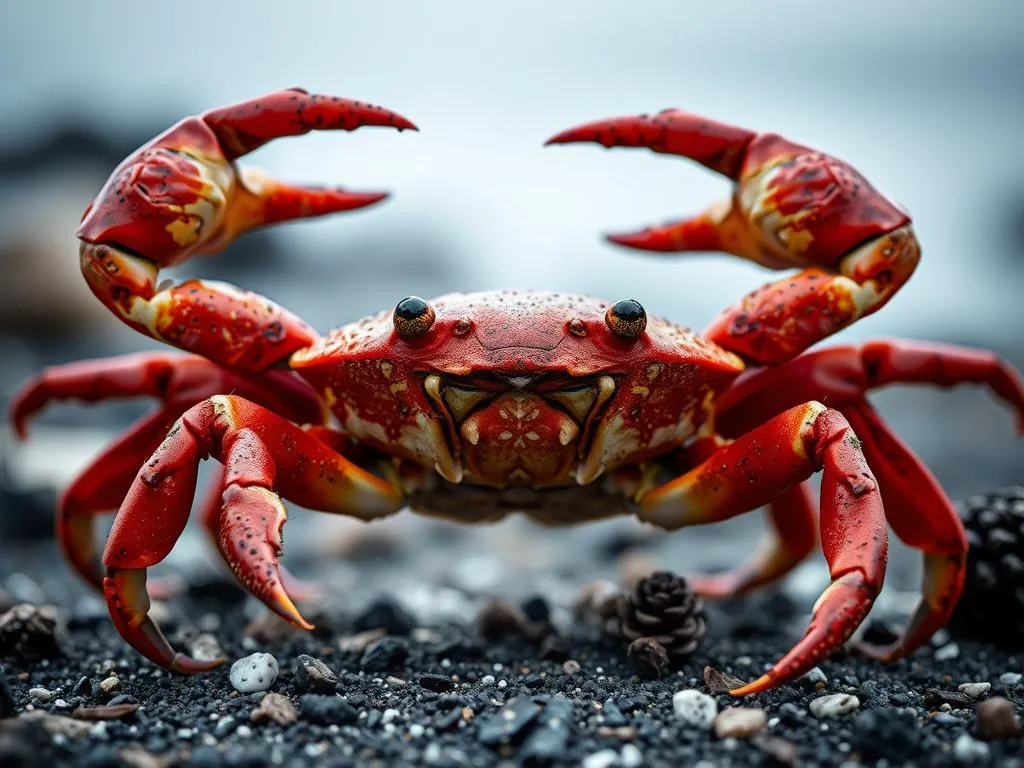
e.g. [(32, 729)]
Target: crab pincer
[(792, 206), (181, 195)]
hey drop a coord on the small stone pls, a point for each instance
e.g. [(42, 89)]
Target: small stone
[(40, 694), (548, 741), (508, 725), (603, 759), (224, 726), (82, 688), (833, 705), (695, 708), (740, 722), (720, 682), (388, 654), (327, 710), (106, 712), (947, 652), (360, 642), (996, 719), (814, 676), (436, 683), (122, 699), (311, 674), (935, 698), (387, 615), (256, 672), (109, 684), (974, 690), (1010, 678), (499, 617), (206, 647), (274, 708), (29, 632), (619, 732), (777, 750), (968, 750), (631, 756), (570, 667), (647, 657)]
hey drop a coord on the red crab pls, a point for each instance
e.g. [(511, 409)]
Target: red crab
[(563, 407)]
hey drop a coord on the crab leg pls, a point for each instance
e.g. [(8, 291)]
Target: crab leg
[(792, 207), (262, 454), (181, 195), (179, 381), (756, 468), (918, 510), (791, 538)]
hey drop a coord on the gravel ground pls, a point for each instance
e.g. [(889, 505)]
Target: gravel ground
[(550, 690)]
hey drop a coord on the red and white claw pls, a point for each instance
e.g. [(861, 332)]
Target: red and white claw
[(182, 194), (792, 206)]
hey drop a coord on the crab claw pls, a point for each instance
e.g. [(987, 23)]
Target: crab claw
[(181, 193)]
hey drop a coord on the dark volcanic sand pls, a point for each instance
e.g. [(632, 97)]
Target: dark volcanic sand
[(414, 714)]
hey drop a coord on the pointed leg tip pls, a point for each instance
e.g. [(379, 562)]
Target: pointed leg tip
[(570, 136), (762, 683)]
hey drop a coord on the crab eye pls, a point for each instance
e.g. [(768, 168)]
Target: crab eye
[(626, 319), (413, 317)]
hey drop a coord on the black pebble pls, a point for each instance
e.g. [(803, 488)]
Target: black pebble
[(327, 710), (387, 615), (890, 735), (83, 688), (385, 655), (437, 683)]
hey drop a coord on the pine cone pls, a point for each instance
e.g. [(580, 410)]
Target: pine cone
[(991, 608), (663, 607)]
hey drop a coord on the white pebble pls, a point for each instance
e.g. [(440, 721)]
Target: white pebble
[(416, 730), (243, 731), (947, 652), (695, 708), (968, 750), (487, 679), (603, 759), (974, 690), (502, 684), (432, 754), (109, 684), (61, 704), (834, 705), (389, 715), (815, 675), (1009, 678), (631, 756), (256, 672), (185, 733), (40, 694)]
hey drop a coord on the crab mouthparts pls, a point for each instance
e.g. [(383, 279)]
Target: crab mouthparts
[(530, 430)]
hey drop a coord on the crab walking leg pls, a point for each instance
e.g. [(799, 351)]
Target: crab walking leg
[(181, 195), (756, 468), (179, 381), (845, 374), (791, 538), (262, 454), (792, 206), (917, 508)]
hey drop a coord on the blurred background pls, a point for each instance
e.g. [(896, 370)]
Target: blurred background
[(925, 98)]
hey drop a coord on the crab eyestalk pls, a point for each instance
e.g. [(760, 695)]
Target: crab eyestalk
[(182, 194), (792, 206)]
